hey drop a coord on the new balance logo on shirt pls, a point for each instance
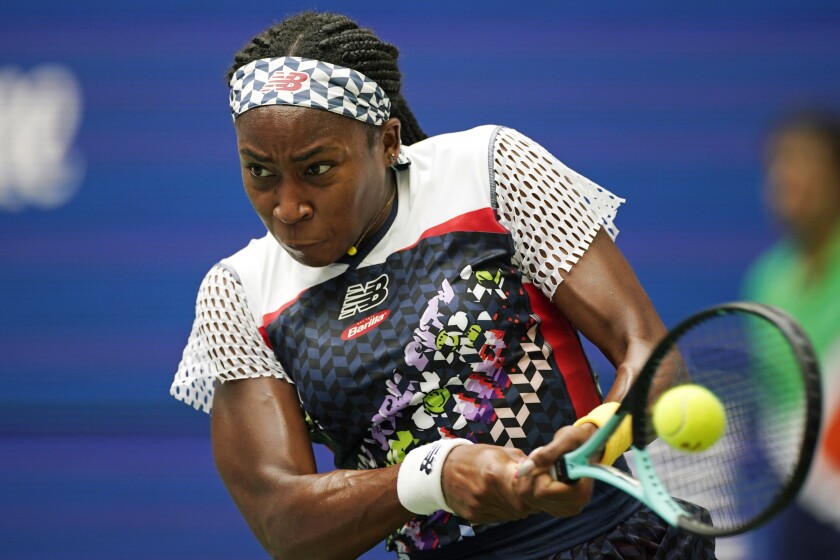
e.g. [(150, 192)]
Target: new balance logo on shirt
[(361, 297)]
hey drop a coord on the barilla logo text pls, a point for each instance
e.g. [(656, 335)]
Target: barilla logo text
[(363, 326), (285, 81)]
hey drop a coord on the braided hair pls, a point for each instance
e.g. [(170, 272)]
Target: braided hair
[(338, 40)]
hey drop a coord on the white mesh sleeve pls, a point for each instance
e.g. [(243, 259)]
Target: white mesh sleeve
[(552, 212), (224, 344)]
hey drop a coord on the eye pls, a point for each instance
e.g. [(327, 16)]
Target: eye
[(258, 171), (319, 168)]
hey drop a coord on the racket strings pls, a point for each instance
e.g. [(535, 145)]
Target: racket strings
[(752, 368)]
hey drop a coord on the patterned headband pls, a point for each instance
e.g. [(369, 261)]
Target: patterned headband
[(308, 83)]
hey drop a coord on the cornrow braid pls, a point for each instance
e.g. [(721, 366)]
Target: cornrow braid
[(338, 40)]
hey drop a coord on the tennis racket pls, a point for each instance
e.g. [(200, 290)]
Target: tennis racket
[(761, 366)]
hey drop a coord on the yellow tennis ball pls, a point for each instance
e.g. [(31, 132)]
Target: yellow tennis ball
[(689, 418)]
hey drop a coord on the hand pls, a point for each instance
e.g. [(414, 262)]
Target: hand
[(478, 483), (536, 487)]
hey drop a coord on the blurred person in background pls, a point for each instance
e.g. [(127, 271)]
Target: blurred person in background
[(801, 275)]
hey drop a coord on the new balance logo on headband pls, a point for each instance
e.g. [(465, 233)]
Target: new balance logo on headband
[(285, 81), (303, 82)]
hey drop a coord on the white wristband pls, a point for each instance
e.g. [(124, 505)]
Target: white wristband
[(419, 485)]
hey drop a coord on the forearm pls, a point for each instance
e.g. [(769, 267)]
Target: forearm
[(265, 459), (335, 515), (627, 369)]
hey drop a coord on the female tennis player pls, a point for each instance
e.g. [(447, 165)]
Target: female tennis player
[(414, 305)]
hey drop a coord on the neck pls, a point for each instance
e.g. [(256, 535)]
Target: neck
[(376, 222)]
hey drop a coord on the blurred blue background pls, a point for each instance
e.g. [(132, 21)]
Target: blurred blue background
[(120, 187)]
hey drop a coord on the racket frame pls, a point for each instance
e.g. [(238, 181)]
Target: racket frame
[(647, 487)]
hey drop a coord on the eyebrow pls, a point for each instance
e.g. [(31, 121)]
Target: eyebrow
[(314, 151), (255, 156), (296, 158)]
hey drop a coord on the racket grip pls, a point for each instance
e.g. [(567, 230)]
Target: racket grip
[(560, 473)]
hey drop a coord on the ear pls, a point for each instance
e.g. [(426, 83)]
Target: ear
[(390, 140)]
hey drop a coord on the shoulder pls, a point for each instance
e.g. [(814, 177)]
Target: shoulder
[(255, 250), (442, 165), (255, 257), (476, 140), (247, 267), (270, 277), (767, 267), (490, 140), (478, 135)]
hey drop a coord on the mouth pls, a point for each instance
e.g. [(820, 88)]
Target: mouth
[(308, 252), (300, 245)]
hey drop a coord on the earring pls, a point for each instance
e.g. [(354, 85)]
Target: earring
[(392, 158)]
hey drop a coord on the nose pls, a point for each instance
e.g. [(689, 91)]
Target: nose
[(291, 208)]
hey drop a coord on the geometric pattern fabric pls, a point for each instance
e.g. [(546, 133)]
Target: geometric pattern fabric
[(459, 354), (308, 83)]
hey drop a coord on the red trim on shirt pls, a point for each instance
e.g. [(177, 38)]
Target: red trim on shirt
[(568, 352), (482, 220), (264, 334), (268, 318)]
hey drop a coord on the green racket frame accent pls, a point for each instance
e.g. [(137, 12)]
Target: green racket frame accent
[(647, 488)]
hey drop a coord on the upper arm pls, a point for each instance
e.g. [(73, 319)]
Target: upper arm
[(562, 227), (259, 439), (258, 432), (552, 212), (604, 299)]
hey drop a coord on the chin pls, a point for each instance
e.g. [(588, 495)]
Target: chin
[(312, 262), (311, 259)]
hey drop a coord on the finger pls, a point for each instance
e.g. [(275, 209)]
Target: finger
[(544, 494), (523, 484), (510, 491), (565, 439), (478, 484), (525, 467), (560, 499), (501, 506)]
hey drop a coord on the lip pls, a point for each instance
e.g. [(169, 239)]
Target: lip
[(300, 245)]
